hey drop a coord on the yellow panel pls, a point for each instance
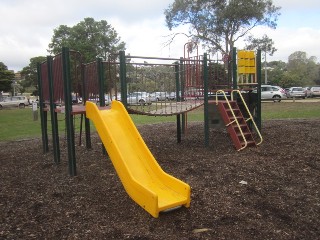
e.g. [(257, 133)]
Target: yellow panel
[(250, 54), (251, 70), (241, 62), (251, 62), (241, 70), (241, 54), (142, 177)]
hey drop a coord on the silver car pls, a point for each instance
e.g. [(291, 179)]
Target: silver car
[(272, 92), (315, 92), (297, 92), (159, 96), (138, 98), (15, 101)]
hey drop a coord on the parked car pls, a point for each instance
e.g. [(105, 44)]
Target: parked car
[(138, 98), (172, 96), (159, 96), (15, 101), (315, 91), (272, 92), (297, 92)]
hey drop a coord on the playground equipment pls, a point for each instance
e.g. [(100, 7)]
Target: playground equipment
[(192, 81), (142, 177)]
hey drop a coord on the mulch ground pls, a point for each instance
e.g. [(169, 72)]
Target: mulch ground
[(267, 192)]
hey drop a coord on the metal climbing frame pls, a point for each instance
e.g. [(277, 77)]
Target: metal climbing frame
[(58, 78), (226, 78), (163, 81)]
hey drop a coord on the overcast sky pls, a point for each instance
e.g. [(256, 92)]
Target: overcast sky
[(27, 27)]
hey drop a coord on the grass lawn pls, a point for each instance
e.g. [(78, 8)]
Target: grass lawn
[(19, 123)]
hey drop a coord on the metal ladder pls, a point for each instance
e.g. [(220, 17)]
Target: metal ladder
[(236, 124)]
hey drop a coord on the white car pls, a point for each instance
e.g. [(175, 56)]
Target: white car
[(15, 101), (159, 96), (272, 92)]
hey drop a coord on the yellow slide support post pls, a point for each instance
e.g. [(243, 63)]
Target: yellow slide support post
[(142, 177)]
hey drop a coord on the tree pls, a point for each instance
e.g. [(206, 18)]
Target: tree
[(220, 23), (29, 73), (91, 38), (6, 78), (305, 69), (276, 70), (266, 45)]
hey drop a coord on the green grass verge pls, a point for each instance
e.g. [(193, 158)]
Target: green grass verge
[(19, 124), (290, 110)]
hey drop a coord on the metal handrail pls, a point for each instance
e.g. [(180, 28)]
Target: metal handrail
[(235, 118), (248, 111)]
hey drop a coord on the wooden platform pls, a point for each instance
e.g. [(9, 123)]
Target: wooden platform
[(78, 109)]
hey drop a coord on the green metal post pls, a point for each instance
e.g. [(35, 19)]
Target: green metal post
[(234, 68), (68, 111), (101, 90), (86, 120), (123, 75), (206, 99), (182, 86), (43, 114), (176, 69), (178, 128), (101, 82), (54, 117), (179, 80), (258, 66)]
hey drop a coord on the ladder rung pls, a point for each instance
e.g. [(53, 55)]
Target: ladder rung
[(242, 125), (238, 117), (249, 143), (232, 110), (244, 133)]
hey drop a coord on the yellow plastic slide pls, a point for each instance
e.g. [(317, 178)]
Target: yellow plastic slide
[(142, 177)]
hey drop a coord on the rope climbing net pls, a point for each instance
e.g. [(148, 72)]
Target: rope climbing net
[(163, 86)]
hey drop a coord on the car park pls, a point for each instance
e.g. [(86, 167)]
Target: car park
[(296, 92), (275, 93), (315, 91), (15, 101)]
